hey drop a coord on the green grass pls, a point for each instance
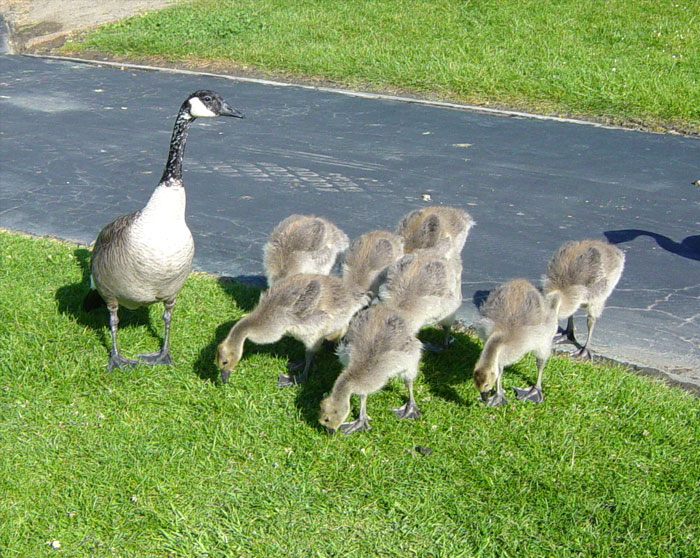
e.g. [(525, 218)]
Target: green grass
[(629, 61), (165, 461)]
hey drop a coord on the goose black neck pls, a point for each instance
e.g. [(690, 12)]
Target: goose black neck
[(173, 168)]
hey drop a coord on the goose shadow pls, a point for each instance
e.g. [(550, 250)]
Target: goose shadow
[(689, 247), (245, 294), (70, 302), (449, 368)]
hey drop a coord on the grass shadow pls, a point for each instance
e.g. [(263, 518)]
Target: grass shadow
[(70, 302)]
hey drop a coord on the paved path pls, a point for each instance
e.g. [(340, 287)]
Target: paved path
[(81, 144)]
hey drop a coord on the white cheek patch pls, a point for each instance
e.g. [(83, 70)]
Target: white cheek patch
[(198, 110)]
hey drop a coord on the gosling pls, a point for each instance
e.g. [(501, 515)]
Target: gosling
[(368, 258), (426, 288), (380, 346), (584, 273), (302, 244), (309, 307), (516, 319), (426, 227)]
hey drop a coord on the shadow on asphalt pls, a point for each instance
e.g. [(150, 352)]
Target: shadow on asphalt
[(689, 247), (70, 302)]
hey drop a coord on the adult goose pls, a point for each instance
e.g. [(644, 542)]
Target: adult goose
[(145, 256)]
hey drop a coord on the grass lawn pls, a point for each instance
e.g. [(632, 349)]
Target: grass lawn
[(624, 61), (166, 461)]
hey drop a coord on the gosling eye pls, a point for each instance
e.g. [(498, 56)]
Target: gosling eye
[(207, 98)]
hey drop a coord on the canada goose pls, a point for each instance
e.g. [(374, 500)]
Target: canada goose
[(516, 319), (380, 346), (145, 256), (426, 227), (426, 288), (368, 258), (309, 307), (302, 244), (584, 273)]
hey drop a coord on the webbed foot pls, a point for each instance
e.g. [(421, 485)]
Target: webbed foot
[(116, 360), (159, 357), (583, 354), (533, 394), (295, 365), (284, 380), (496, 400), (407, 410), (359, 424), (564, 336)]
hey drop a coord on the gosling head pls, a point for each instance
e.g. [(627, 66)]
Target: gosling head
[(226, 360), (484, 378), (208, 104), (333, 413)]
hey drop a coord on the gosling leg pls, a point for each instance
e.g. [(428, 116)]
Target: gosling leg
[(408, 409), (566, 335), (290, 380), (500, 397), (162, 356), (116, 360), (533, 393), (362, 422), (584, 353)]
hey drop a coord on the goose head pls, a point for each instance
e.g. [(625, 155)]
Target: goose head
[(333, 413), (208, 104)]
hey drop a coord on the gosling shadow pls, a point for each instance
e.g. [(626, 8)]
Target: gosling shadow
[(479, 297), (452, 367), (320, 382), (689, 247), (244, 290), (70, 302)]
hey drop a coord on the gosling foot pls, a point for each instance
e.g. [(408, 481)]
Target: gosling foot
[(116, 360), (496, 400), (159, 357), (295, 365), (359, 424), (407, 410), (533, 394), (583, 354), (284, 380), (564, 336)]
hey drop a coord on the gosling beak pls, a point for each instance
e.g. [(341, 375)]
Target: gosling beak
[(228, 110), (224, 376), (330, 430), (484, 395)]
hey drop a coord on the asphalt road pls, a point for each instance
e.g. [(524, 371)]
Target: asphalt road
[(81, 144)]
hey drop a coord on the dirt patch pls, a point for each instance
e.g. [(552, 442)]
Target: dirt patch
[(42, 24)]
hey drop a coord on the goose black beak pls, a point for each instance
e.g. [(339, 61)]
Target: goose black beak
[(228, 110)]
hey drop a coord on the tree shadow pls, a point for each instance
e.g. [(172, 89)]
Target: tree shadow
[(70, 302), (689, 247)]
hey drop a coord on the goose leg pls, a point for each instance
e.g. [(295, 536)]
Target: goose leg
[(533, 393), (408, 409), (290, 380), (499, 398), (362, 422), (116, 360), (162, 356), (566, 335), (584, 353)]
